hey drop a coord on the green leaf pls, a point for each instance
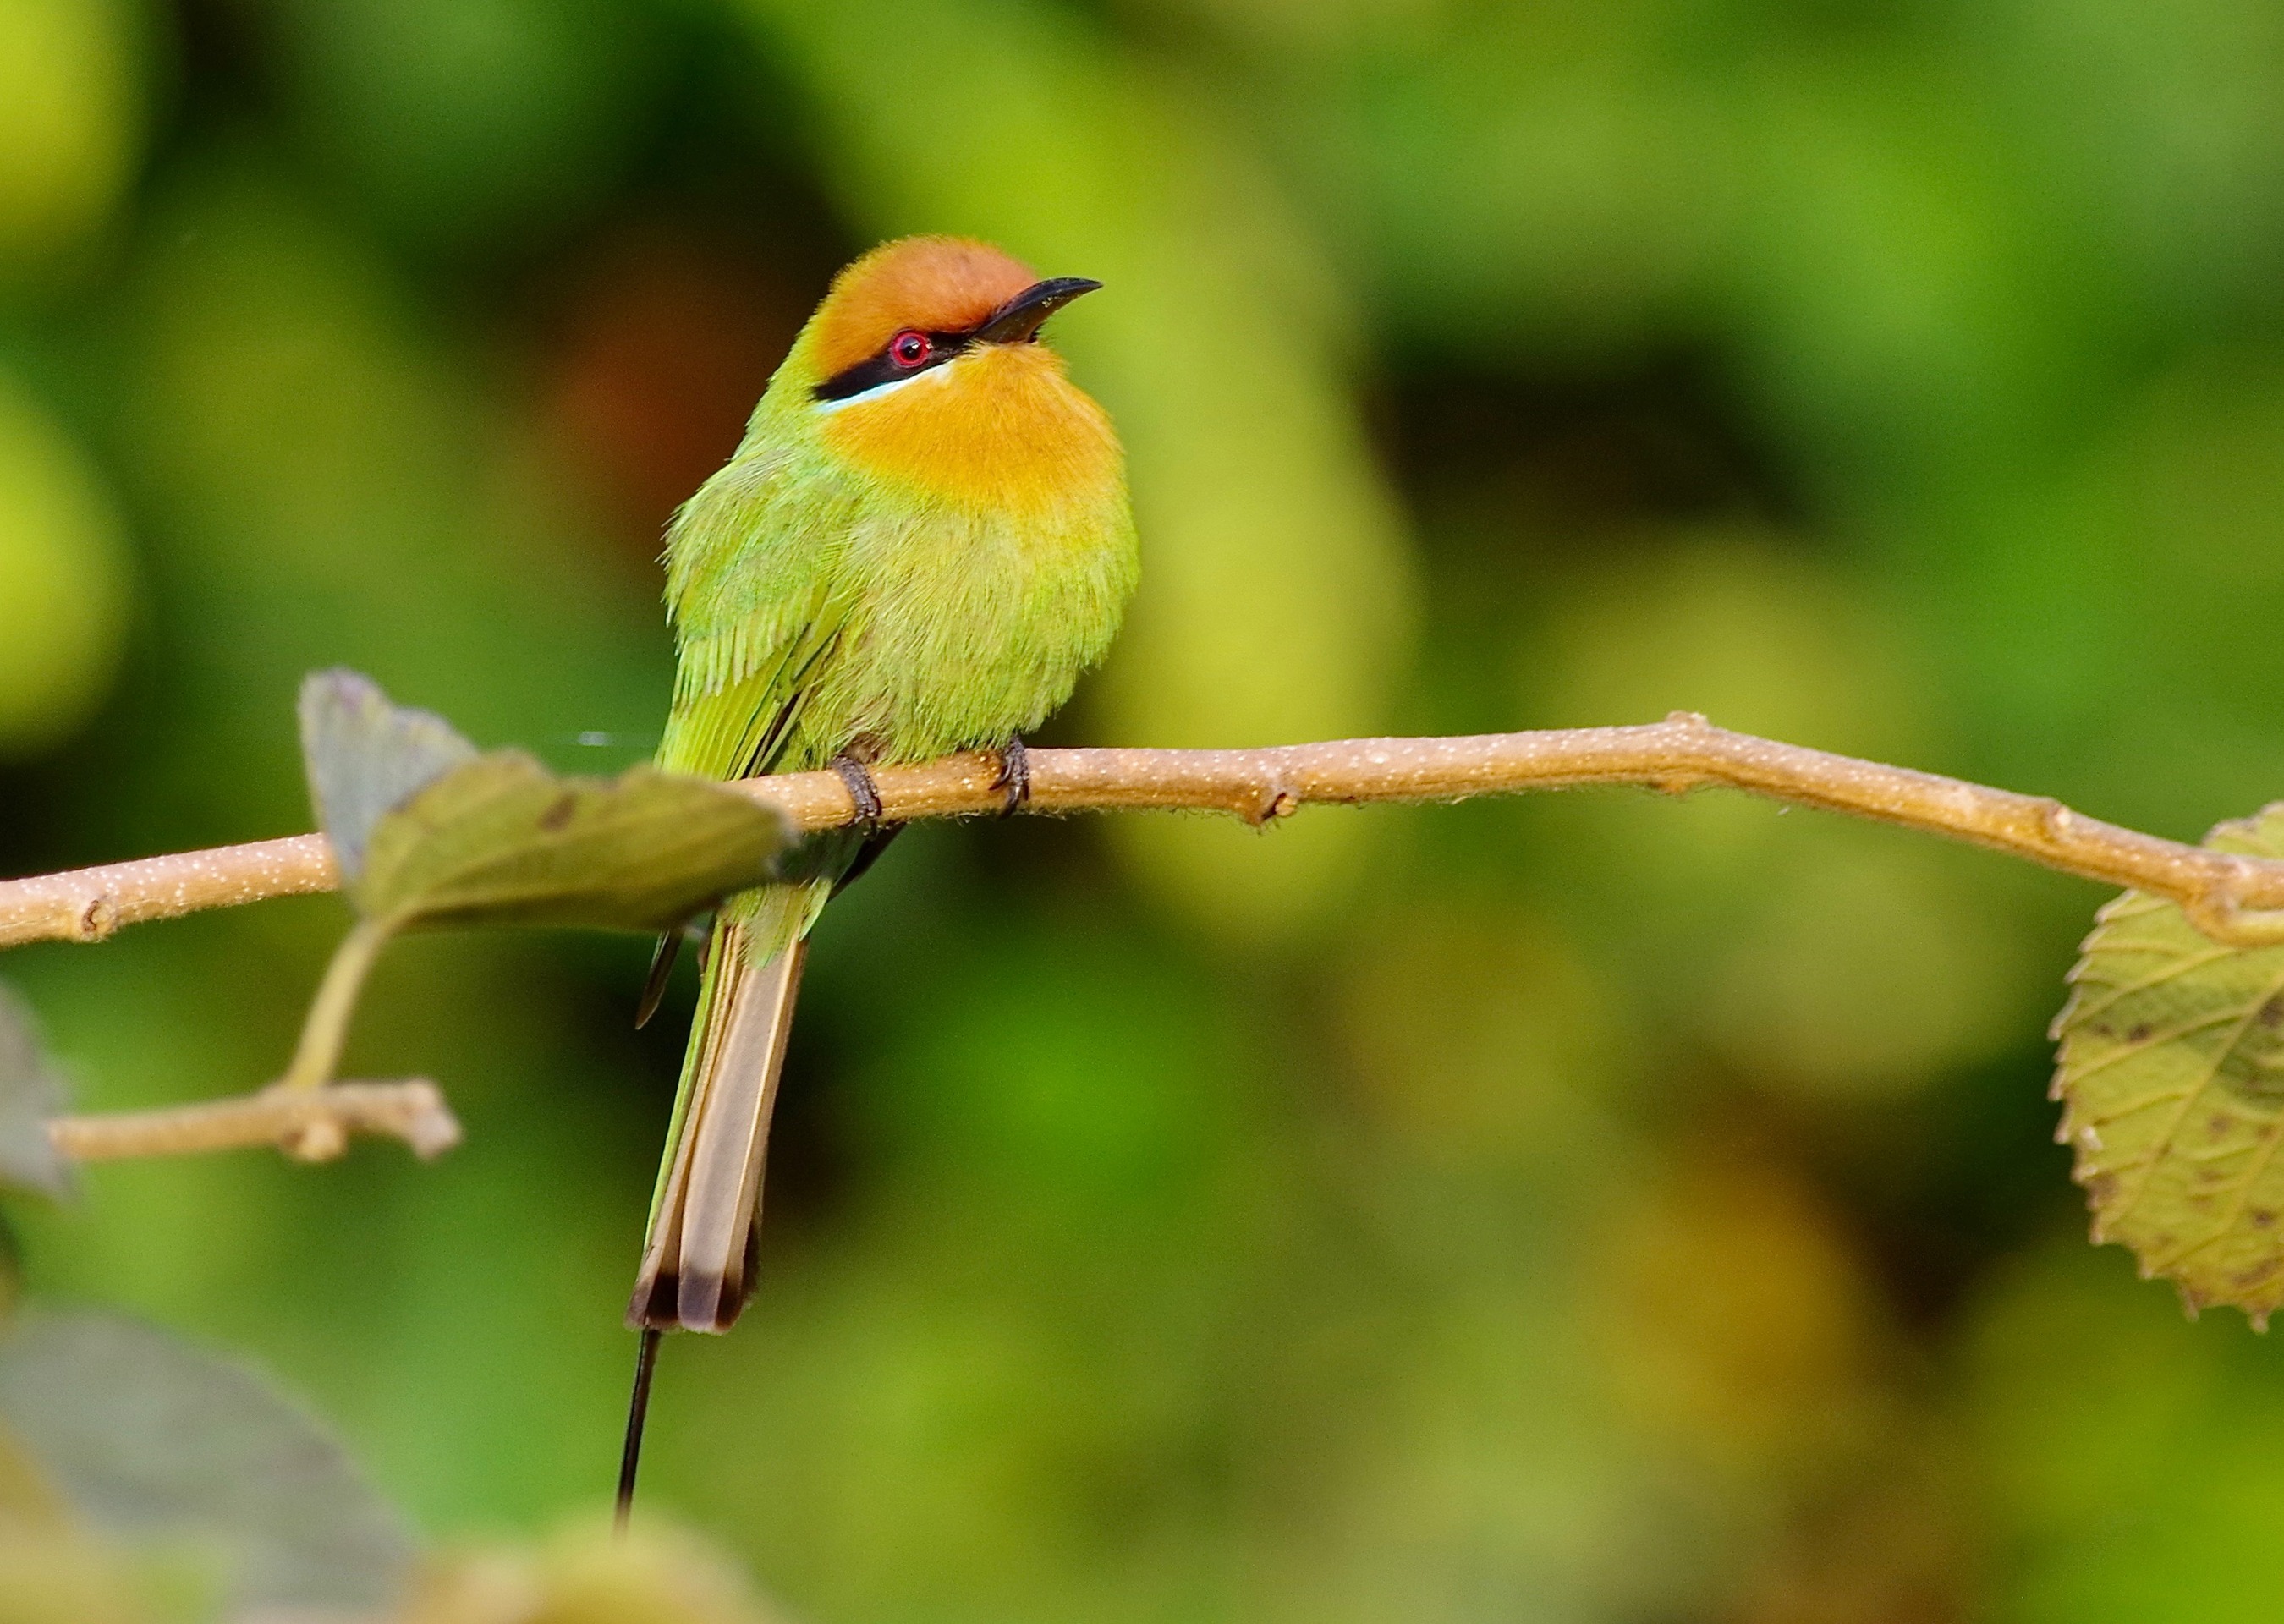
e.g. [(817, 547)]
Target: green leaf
[(152, 1442), (31, 1091), (429, 833), (365, 756), (2172, 1071), (503, 841)]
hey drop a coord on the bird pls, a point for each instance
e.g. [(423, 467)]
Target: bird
[(922, 541)]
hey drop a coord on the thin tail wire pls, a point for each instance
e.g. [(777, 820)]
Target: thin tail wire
[(638, 1412)]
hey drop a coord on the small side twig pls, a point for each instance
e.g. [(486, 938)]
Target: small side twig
[(308, 1124), (2233, 898)]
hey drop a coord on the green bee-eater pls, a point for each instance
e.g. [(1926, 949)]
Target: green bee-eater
[(922, 541)]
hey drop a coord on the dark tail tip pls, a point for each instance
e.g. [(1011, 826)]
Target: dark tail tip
[(681, 1300), (653, 1306), (637, 1411)]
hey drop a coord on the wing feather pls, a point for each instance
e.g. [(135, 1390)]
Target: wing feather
[(751, 562)]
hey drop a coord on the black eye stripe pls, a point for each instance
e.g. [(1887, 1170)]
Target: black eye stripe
[(874, 371)]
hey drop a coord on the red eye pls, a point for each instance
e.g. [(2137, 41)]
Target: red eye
[(909, 348)]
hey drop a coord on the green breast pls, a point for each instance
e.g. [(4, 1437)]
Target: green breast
[(964, 628)]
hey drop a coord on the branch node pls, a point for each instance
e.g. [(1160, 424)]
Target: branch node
[(1265, 801), (2227, 921), (96, 918), (322, 1140)]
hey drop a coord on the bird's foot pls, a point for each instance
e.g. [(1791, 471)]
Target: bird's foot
[(862, 791), (1014, 775)]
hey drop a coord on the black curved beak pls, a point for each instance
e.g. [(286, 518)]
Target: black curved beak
[(1017, 322)]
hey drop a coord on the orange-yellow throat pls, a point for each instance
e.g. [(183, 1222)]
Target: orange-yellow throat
[(1002, 430)]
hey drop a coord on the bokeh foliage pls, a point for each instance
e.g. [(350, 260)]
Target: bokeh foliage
[(1595, 1209)]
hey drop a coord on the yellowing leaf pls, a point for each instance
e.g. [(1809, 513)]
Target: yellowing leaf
[(366, 757), (501, 840), (2172, 1075), (428, 834)]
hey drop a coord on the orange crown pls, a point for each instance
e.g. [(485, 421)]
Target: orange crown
[(935, 284)]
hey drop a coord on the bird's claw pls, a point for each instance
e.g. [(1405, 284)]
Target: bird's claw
[(862, 790), (1014, 776)]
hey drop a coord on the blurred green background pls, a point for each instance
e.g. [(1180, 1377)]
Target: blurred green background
[(1593, 1208)]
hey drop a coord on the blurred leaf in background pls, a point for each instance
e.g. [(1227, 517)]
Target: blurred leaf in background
[(71, 119), (65, 579), (474, 120), (583, 1574), (31, 1091), (154, 1443)]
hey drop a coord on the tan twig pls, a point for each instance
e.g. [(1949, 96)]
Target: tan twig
[(2234, 899), (308, 1124), (87, 904)]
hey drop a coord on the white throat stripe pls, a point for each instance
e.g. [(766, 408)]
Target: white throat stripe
[(890, 387)]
